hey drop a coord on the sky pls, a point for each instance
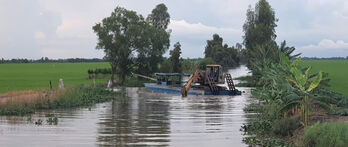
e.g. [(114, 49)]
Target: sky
[(63, 28)]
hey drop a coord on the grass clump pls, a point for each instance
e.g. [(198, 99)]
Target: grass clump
[(334, 134), (16, 111), (286, 127)]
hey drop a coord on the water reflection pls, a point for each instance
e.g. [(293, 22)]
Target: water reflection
[(136, 121)]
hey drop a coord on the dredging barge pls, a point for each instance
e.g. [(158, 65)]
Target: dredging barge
[(209, 82)]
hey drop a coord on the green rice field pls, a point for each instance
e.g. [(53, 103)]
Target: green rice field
[(33, 76), (338, 73)]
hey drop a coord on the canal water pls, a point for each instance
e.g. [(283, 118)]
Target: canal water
[(143, 118)]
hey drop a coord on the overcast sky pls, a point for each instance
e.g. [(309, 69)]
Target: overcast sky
[(63, 28)]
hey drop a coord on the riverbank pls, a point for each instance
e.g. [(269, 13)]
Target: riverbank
[(294, 102), (27, 102)]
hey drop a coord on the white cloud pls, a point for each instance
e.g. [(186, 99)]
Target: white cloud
[(326, 48), (328, 44), (181, 27)]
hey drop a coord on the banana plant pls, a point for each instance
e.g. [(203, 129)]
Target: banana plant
[(304, 84)]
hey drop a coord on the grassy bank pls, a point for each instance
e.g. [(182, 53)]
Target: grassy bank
[(36, 76), (291, 100), (337, 70), (326, 134), (78, 96)]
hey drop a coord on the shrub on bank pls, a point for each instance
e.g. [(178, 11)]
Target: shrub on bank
[(84, 95), (333, 134), (286, 127)]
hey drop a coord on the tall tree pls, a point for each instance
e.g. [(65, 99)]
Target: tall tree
[(259, 27), (175, 58), (118, 36), (221, 54), (156, 40), (159, 17), (212, 46)]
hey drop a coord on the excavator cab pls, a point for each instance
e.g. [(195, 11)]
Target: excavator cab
[(214, 72)]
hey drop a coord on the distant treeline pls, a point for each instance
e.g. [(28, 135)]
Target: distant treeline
[(47, 60), (330, 58)]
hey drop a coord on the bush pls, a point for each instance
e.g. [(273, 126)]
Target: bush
[(285, 127), (343, 112), (81, 96), (333, 134)]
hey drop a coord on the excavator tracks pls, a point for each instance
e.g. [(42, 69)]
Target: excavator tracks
[(230, 83)]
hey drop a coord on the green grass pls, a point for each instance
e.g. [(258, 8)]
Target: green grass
[(333, 134), (33, 76), (338, 73)]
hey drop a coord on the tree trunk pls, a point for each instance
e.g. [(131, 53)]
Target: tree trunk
[(113, 70)]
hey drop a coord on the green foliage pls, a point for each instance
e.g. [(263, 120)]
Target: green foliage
[(189, 65), (221, 54), (342, 112), (260, 25), (16, 111), (175, 58), (259, 28), (118, 36), (125, 34), (52, 119), (38, 122), (283, 86), (304, 85), (159, 17), (286, 127), (165, 66), (333, 134), (80, 96), (259, 37), (135, 82), (206, 61)]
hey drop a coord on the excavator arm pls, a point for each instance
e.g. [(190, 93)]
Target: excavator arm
[(192, 79)]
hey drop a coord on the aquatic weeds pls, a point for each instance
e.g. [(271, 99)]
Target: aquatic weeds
[(52, 119), (38, 122), (16, 110)]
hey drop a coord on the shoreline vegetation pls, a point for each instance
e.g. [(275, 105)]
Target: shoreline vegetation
[(23, 103), (279, 119)]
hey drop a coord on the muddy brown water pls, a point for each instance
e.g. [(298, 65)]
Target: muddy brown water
[(144, 118)]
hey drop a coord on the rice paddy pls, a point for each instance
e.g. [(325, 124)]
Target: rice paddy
[(338, 73), (36, 76)]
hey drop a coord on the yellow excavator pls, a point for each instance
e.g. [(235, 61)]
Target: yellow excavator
[(208, 81)]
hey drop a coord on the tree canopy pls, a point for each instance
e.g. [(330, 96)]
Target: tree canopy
[(260, 24), (159, 17), (127, 38), (175, 58), (259, 35), (221, 54)]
